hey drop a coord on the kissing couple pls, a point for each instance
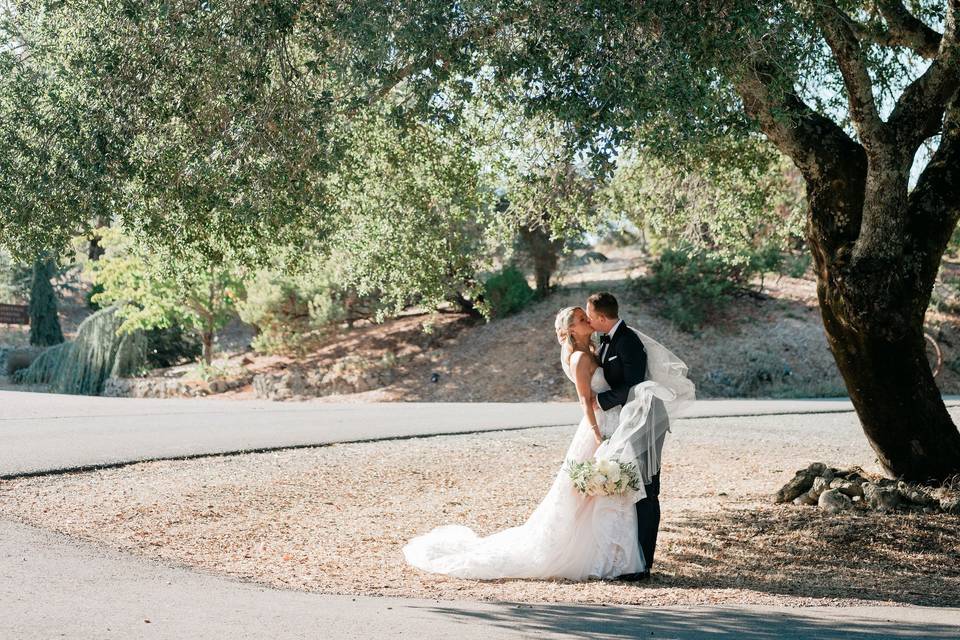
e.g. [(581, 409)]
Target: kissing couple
[(601, 515)]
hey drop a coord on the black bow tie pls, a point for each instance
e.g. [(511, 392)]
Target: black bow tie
[(605, 338)]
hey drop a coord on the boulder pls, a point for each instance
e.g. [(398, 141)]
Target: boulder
[(881, 498), (832, 501), (804, 500), (800, 483), (847, 487), (820, 484), (915, 495)]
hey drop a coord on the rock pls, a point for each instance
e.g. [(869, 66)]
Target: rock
[(847, 487), (799, 485), (950, 504), (881, 498), (817, 468), (820, 485), (832, 501), (804, 500), (914, 495)]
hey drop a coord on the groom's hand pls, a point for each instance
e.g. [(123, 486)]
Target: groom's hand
[(596, 403)]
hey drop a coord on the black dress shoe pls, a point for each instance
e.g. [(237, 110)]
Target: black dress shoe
[(634, 577)]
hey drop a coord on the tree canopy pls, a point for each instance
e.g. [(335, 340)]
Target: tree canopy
[(210, 127)]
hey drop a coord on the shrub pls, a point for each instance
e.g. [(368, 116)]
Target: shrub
[(284, 308), (689, 285), (946, 292), (507, 292), (44, 317), (169, 346), (796, 265), (278, 308), (98, 352)]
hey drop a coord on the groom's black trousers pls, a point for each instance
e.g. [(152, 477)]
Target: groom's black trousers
[(648, 520)]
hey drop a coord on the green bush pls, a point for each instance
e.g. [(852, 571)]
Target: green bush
[(284, 308), (169, 346), (796, 265), (945, 296), (95, 290), (279, 308), (507, 292), (15, 279), (688, 286)]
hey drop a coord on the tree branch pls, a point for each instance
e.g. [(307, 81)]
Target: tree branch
[(937, 194), (429, 58), (833, 165), (903, 30), (919, 112), (807, 137), (842, 40)]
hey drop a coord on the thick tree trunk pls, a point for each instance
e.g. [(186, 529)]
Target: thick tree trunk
[(544, 255), (207, 338), (874, 290), (890, 383)]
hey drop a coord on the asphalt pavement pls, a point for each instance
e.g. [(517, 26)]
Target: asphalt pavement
[(50, 433), (55, 587), (52, 586)]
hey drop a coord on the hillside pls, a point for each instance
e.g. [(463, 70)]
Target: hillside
[(771, 345)]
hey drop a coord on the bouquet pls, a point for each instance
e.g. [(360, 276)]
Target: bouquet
[(603, 477)]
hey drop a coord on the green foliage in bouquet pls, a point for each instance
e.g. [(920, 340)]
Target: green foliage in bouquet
[(603, 477)]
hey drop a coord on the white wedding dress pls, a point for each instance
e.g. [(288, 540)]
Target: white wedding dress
[(569, 535)]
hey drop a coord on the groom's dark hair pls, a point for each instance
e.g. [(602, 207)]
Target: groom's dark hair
[(605, 303)]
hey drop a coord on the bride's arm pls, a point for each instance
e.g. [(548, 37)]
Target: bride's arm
[(580, 362)]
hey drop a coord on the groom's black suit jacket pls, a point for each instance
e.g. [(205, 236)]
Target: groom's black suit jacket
[(624, 364)]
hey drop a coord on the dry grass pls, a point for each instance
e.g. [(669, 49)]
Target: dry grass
[(334, 519)]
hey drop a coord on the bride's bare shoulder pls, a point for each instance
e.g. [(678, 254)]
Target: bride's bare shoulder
[(581, 361)]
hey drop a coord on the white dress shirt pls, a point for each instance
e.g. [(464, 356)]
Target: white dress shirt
[(603, 350)]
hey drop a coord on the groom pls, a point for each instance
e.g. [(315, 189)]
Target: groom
[(624, 363)]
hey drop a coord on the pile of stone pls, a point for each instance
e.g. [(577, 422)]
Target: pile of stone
[(169, 388), (835, 490), (348, 375)]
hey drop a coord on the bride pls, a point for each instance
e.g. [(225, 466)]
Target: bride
[(569, 535)]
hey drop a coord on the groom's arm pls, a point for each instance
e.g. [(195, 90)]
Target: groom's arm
[(634, 361)]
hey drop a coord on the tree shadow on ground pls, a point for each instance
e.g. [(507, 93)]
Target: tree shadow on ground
[(907, 558), (564, 621)]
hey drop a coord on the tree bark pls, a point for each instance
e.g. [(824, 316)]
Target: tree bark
[(544, 255), (877, 246), (874, 291), (207, 338)]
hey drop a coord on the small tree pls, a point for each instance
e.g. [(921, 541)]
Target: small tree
[(156, 293), (44, 320)]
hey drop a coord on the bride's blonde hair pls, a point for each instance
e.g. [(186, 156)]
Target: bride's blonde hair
[(562, 324)]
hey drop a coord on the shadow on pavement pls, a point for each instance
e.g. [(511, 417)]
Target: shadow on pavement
[(561, 621)]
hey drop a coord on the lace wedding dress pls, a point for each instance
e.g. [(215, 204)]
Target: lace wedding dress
[(569, 535)]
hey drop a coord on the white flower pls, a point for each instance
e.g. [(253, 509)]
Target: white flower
[(610, 469)]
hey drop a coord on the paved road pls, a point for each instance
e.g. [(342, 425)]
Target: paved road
[(51, 586), (44, 433), (54, 587)]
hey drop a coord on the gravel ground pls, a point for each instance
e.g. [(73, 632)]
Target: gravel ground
[(333, 519)]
